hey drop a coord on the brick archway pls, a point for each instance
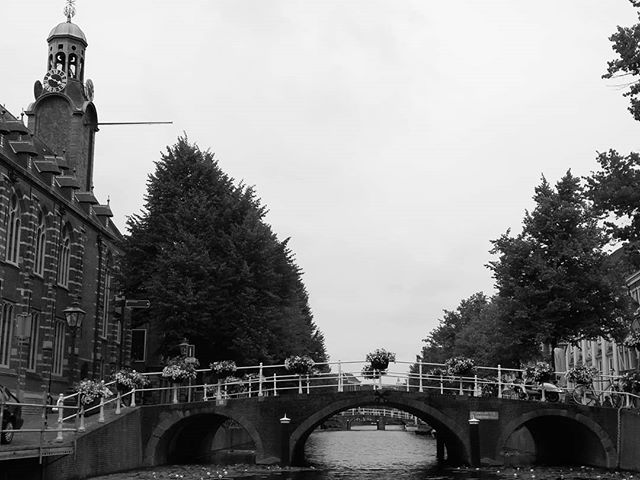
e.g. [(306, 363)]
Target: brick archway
[(454, 434), (579, 421), (171, 424)]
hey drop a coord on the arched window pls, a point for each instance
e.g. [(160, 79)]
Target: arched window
[(13, 231), (6, 333), (64, 257), (60, 61), (41, 245), (73, 65)]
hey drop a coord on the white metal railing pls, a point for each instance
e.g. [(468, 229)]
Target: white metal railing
[(274, 380)]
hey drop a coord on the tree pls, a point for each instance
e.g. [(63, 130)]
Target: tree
[(213, 270), (626, 43), (615, 193), (554, 280), (477, 329)]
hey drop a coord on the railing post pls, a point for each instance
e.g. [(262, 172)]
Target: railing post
[(340, 385), (133, 397), (299, 384), (60, 404), (260, 393), (461, 392), (175, 393), (118, 400), (189, 392), (101, 415), (475, 386), (441, 385), (275, 386), (499, 381), (219, 392), (81, 427), (308, 384), (204, 394), (421, 388)]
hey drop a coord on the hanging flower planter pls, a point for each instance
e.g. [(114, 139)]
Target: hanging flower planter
[(178, 369), (632, 340), (460, 367), (581, 375), (538, 372), (224, 368), (89, 391), (127, 379), (380, 358), (299, 364)]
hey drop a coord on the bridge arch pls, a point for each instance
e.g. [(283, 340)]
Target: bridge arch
[(186, 435), (452, 433), (554, 436)]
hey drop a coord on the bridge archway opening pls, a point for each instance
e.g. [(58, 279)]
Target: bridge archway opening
[(451, 438), (554, 440), (205, 438)]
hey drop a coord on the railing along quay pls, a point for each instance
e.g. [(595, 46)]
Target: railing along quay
[(274, 380)]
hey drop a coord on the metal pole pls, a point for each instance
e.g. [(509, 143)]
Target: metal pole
[(260, 393), (499, 381), (421, 388)]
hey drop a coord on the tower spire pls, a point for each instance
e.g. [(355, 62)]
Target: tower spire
[(70, 9)]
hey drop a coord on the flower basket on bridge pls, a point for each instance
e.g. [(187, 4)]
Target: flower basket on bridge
[(299, 364), (581, 375), (632, 340), (460, 367), (538, 372), (127, 379), (89, 391), (379, 359), (224, 368), (179, 369), (630, 382)]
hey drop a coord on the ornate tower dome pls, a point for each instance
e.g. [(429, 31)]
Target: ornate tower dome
[(63, 114)]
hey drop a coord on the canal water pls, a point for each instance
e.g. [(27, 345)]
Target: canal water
[(368, 454)]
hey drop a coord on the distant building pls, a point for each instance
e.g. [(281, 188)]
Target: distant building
[(58, 246)]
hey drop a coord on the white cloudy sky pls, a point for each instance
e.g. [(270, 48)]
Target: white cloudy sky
[(392, 140)]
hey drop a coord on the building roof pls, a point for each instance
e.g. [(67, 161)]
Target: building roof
[(67, 29)]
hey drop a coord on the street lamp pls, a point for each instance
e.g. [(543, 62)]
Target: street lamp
[(74, 316)]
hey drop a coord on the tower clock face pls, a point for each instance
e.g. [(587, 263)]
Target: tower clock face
[(55, 80)]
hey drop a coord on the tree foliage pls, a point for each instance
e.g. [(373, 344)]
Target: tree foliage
[(626, 44), (213, 270), (554, 279)]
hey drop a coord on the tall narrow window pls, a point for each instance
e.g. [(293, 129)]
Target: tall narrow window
[(107, 294), (41, 243), (33, 342), (64, 258), (6, 334), (13, 231), (58, 348)]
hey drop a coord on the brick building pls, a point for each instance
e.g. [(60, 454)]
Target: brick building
[(59, 248)]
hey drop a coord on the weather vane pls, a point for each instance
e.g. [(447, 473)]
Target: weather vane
[(70, 9)]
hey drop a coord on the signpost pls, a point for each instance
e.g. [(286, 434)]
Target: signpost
[(137, 303)]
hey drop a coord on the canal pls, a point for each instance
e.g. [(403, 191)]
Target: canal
[(367, 454)]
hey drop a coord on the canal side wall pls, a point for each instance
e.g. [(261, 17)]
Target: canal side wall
[(107, 448)]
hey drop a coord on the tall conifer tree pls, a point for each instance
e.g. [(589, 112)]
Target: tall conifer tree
[(213, 270)]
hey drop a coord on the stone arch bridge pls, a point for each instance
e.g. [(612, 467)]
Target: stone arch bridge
[(509, 431)]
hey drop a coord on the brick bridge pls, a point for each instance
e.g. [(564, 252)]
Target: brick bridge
[(510, 431)]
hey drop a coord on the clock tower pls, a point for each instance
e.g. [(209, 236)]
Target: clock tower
[(63, 114)]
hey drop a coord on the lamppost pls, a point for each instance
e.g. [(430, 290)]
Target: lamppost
[(74, 316), (23, 333)]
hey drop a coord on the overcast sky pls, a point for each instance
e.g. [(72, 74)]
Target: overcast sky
[(391, 140)]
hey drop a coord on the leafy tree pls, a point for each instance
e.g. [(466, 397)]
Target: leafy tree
[(626, 43), (213, 269), (554, 280)]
